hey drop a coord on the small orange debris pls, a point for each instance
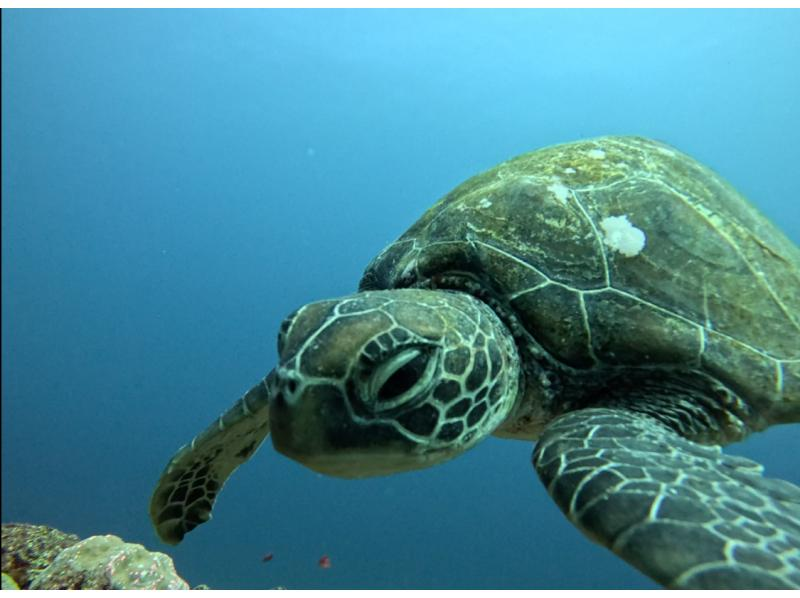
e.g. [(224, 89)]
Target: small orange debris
[(325, 561)]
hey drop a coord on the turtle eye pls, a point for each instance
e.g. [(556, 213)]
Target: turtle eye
[(402, 376)]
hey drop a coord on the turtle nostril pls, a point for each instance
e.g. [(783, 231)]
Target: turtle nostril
[(291, 386)]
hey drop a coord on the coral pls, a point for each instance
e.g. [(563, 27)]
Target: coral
[(27, 549), (41, 557), (106, 562)]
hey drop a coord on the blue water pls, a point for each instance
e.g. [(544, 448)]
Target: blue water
[(174, 183)]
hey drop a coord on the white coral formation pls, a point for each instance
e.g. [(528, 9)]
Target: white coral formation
[(620, 235)]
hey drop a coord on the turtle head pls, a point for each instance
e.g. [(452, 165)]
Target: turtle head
[(387, 381)]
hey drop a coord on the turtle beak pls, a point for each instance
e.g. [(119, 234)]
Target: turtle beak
[(300, 421)]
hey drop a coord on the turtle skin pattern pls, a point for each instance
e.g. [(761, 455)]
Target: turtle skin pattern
[(684, 514)]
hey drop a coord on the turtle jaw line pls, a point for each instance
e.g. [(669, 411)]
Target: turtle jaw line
[(316, 431), (354, 464)]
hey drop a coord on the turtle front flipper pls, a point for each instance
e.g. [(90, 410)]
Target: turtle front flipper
[(185, 494), (682, 513)]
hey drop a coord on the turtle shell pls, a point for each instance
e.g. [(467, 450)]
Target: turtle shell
[(620, 254)]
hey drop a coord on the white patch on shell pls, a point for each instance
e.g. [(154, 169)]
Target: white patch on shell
[(570, 170), (596, 154), (485, 203), (622, 236), (558, 189)]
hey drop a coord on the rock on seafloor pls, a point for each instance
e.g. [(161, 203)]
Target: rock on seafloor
[(44, 558), (108, 563), (28, 549)]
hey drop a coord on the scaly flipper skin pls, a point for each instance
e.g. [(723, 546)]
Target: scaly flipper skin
[(685, 514), (185, 494)]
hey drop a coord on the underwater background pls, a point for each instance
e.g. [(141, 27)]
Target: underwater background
[(175, 182)]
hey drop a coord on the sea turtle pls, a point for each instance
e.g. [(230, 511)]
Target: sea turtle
[(611, 298)]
